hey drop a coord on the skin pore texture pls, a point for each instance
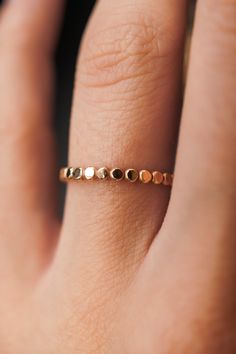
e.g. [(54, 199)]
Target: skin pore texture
[(130, 269)]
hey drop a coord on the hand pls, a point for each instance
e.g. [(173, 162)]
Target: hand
[(117, 277)]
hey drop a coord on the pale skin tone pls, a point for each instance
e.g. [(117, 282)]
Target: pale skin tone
[(115, 276)]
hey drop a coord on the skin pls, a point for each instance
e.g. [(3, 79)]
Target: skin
[(130, 269)]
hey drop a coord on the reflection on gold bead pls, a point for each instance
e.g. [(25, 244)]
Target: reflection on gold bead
[(69, 172), (117, 174), (89, 173), (168, 179), (157, 177), (145, 176), (131, 175), (102, 173), (78, 173)]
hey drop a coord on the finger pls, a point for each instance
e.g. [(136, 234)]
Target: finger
[(205, 173), (28, 31), (125, 114), (202, 208)]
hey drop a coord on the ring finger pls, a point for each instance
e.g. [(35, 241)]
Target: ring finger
[(125, 114)]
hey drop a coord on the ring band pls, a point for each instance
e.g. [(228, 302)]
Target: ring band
[(132, 175)]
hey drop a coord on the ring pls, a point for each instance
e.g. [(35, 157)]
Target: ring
[(132, 175)]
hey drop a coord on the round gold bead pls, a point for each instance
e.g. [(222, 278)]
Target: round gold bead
[(62, 174), (69, 172), (117, 174), (167, 179), (145, 176), (78, 173), (157, 177), (89, 173), (102, 173), (131, 175)]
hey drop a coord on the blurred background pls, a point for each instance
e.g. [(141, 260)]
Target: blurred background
[(75, 19)]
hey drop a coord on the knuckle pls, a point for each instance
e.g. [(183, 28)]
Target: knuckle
[(110, 61), (122, 52)]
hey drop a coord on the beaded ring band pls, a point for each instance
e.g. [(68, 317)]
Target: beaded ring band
[(68, 174)]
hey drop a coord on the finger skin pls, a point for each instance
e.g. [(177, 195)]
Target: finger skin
[(204, 187), (205, 170), (205, 174), (28, 178), (125, 113), (198, 234)]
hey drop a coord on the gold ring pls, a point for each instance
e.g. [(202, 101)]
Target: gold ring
[(132, 175)]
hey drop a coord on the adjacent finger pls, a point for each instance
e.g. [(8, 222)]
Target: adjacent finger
[(125, 114), (199, 231), (205, 173), (28, 31)]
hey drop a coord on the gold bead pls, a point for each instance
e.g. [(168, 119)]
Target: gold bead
[(157, 177), (62, 174), (102, 173), (145, 176), (89, 173), (78, 173), (117, 174), (131, 175), (167, 179), (69, 172)]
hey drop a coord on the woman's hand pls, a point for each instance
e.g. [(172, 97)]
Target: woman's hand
[(116, 277)]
